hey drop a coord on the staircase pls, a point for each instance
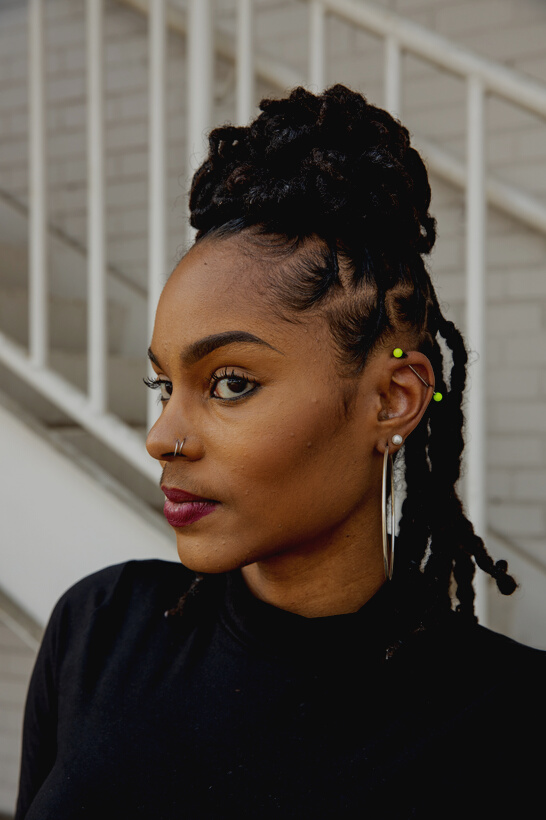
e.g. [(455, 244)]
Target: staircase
[(120, 94)]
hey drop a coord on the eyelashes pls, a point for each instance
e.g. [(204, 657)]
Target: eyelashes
[(226, 385), (163, 385), (225, 382)]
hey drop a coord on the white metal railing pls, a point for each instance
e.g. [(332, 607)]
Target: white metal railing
[(244, 93), (157, 214), (518, 89), (200, 79), (400, 36), (38, 274), (96, 240)]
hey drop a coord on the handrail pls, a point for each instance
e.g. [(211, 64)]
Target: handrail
[(503, 81), (52, 230), (503, 196), (107, 427), (399, 34), (266, 68)]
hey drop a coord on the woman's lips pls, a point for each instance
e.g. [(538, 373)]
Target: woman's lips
[(182, 508)]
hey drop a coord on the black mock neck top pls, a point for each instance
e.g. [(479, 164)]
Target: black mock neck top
[(242, 710)]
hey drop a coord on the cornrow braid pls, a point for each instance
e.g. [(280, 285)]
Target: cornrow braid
[(329, 189)]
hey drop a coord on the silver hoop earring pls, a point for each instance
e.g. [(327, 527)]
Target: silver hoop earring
[(178, 445), (388, 548)]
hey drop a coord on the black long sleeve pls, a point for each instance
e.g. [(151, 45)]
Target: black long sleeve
[(253, 712)]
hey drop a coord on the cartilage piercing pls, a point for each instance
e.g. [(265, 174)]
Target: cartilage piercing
[(398, 353)]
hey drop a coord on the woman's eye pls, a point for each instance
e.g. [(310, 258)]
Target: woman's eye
[(165, 387), (232, 387), (165, 390)]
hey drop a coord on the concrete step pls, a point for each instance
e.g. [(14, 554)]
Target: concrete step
[(82, 517), (128, 401)]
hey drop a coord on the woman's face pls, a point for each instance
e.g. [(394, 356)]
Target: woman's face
[(280, 443)]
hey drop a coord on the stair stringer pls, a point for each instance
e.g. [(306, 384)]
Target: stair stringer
[(63, 518)]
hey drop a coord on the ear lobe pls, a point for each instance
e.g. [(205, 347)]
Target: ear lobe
[(405, 398)]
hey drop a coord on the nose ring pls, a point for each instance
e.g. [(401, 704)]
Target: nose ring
[(178, 445)]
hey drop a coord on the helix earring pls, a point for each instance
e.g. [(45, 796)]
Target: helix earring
[(398, 353), (178, 445), (388, 545)]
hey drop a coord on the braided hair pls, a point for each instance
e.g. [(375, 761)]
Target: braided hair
[(334, 168)]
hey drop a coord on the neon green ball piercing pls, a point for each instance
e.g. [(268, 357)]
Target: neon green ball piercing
[(398, 353)]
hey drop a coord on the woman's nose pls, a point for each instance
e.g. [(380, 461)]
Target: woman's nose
[(163, 440), (171, 438)]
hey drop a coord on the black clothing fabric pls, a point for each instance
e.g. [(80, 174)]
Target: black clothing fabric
[(248, 711)]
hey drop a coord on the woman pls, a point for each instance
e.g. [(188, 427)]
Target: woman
[(298, 347)]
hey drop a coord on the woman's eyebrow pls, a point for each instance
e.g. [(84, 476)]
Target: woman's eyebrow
[(203, 347)]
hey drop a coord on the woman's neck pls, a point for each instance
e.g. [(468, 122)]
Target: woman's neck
[(317, 583)]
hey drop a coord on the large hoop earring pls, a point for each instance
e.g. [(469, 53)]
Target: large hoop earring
[(388, 548)]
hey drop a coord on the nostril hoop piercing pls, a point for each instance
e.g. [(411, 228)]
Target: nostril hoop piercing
[(178, 445)]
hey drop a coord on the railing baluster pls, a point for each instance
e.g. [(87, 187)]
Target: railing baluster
[(97, 329), (157, 260), (317, 69), (200, 83), (200, 73), (245, 62), (392, 76), (476, 501), (38, 278)]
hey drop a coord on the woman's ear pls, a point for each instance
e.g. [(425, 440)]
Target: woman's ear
[(407, 387)]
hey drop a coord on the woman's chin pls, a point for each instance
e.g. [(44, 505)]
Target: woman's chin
[(207, 559)]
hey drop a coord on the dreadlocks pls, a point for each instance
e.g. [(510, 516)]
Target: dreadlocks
[(334, 168)]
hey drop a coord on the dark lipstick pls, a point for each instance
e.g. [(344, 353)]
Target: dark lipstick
[(182, 508)]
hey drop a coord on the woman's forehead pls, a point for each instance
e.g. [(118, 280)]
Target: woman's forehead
[(221, 264), (218, 287)]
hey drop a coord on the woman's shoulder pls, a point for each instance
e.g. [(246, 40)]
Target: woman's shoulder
[(484, 646), (122, 591), (475, 656), (130, 575)]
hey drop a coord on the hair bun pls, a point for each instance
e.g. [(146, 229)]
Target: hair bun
[(330, 164)]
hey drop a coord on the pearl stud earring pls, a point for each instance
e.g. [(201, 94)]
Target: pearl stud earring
[(397, 439)]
